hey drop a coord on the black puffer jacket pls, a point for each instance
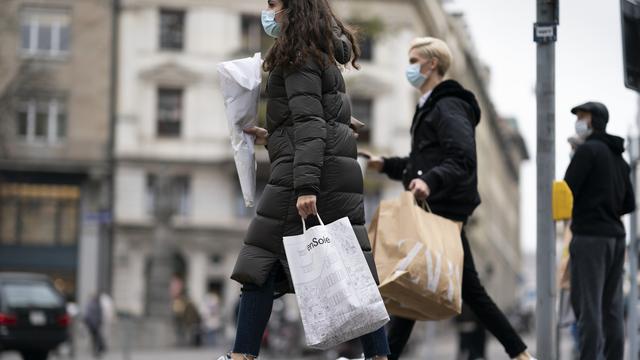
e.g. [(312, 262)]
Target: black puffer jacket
[(312, 151), (443, 151)]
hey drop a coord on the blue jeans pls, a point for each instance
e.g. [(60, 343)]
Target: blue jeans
[(255, 309)]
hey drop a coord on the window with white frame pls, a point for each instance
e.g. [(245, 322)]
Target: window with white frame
[(367, 44), (41, 120), (253, 37), (45, 32), (39, 214), (181, 188), (172, 29), (182, 185), (242, 211), (169, 112), (362, 109), (368, 31)]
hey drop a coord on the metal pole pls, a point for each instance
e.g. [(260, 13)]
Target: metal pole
[(633, 259), (108, 248), (558, 355), (545, 31), (160, 330)]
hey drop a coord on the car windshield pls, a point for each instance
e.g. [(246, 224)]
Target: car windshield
[(28, 294)]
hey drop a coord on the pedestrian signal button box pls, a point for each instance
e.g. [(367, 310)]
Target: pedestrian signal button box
[(562, 201)]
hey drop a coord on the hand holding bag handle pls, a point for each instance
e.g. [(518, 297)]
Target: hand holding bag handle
[(422, 203)]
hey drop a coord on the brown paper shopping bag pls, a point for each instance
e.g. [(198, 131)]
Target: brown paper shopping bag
[(419, 258)]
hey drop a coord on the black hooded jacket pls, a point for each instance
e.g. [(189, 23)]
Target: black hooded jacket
[(600, 181), (443, 151), (312, 152)]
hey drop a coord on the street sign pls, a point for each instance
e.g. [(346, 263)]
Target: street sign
[(99, 217), (545, 32), (630, 11)]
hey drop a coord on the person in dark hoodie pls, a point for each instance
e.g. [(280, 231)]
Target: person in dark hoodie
[(313, 155), (599, 179), (442, 168), (94, 320)]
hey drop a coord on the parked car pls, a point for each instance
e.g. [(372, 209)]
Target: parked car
[(33, 316)]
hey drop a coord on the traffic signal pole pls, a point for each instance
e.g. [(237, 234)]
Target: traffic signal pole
[(630, 21), (545, 35), (632, 322)]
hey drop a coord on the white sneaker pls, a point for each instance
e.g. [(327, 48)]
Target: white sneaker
[(525, 356), (225, 357)]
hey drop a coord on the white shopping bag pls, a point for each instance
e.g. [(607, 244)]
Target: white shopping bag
[(240, 84), (337, 295)]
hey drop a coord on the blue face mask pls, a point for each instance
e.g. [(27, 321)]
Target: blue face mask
[(269, 23), (414, 76)]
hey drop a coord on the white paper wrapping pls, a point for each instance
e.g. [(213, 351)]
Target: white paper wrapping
[(240, 83)]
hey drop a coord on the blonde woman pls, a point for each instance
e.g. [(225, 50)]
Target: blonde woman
[(442, 169)]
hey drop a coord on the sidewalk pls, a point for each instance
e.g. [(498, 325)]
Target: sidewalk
[(442, 347)]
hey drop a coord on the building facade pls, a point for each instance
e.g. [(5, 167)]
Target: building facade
[(389, 27), (171, 122), (54, 137)]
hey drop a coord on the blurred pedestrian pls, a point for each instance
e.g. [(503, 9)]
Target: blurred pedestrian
[(211, 319), (599, 179), (93, 318), (313, 158), (442, 169), (187, 318), (73, 311), (472, 336), (108, 317)]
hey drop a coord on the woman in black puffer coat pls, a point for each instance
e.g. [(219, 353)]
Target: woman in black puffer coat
[(313, 158)]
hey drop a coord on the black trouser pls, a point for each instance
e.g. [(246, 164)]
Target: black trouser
[(596, 295), (476, 297), (472, 344)]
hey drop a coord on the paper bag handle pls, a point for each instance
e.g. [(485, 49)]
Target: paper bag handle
[(304, 224), (425, 205), (408, 198)]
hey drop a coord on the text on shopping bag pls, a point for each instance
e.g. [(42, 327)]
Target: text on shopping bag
[(433, 269)]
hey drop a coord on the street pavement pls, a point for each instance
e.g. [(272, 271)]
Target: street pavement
[(441, 347)]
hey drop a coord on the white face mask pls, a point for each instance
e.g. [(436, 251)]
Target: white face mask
[(582, 129), (269, 23), (415, 77)]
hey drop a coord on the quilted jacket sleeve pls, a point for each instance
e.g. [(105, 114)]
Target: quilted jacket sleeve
[(304, 93)]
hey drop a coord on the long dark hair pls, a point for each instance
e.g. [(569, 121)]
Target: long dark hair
[(307, 31)]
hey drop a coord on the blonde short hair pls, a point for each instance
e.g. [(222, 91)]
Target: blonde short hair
[(433, 48)]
